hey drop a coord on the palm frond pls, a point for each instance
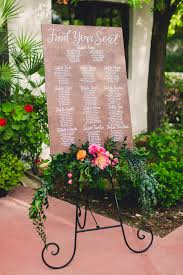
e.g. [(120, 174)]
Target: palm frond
[(27, 43), (17, 56), (6, 40), (37, 84), (32, 64), (9, 9), (8, 77)]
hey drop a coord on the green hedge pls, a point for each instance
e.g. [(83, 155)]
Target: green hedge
[(11, 170), (164, 152)]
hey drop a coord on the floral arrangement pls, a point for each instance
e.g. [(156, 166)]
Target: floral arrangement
[(88, 166)]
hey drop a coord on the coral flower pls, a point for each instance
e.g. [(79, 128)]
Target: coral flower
[(3, 122), (70, 182), (81, 155), (28, 108), (102, 161)]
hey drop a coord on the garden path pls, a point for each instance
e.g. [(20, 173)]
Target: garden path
[(98, 253)]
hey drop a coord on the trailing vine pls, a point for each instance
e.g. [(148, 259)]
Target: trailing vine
[(87, 165)]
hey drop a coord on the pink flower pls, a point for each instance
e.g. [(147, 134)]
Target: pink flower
[(69, 175), (109, 154), (116, 160), (96, 149), (69, 181), (101, 150), (102, 161)]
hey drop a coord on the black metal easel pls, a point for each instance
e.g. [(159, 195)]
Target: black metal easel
[(79, 228)]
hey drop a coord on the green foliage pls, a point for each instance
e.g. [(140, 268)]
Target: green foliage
[(11, 170), (8, 10), (176, 21), (158, 5), (8, 74), (164, 153), (25, 131), (174, 53), (170, 179), (174, 62), (164, 144), (137, 3), (174, 99), (143, 181), (87, 174)]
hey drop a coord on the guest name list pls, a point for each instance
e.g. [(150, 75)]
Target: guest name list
[(86, 85)]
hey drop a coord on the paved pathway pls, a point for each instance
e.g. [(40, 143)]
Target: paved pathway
[(98, 253)]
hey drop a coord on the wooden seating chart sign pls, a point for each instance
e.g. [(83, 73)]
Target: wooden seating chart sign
[(86, 85)]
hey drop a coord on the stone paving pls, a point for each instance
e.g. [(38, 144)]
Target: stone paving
[(98, 252)]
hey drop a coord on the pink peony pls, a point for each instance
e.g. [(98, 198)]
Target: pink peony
[(69, 181), (109, 154), (96, 149), (102, 161), (69, 175)]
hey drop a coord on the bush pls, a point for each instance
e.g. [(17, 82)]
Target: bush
[(164, 152), (23, 126), (174, 56), (11, 170), (170, 178), (23, 114), (174, 98)]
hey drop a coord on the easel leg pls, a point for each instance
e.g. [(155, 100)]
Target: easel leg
[(56, 246), (139, 235)]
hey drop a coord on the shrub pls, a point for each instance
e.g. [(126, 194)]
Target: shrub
[(164, 153), (23, 113), (11, 170), (164, 144), (174, 98), (170, 179), (24, 126)]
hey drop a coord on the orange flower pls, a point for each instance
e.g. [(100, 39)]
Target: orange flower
[(81, 154)]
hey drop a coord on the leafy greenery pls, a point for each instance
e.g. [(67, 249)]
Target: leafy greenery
[(176, 21), (164, 153), (8, 10), (82, 167), (170, 179), (174, 52), (11, 170), (25, 130), (174, 99)]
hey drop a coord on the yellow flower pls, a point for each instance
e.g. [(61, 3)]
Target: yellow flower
[(81, 154)]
